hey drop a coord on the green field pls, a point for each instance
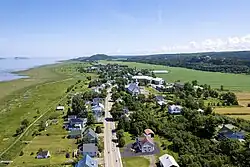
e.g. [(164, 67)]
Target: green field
[(135, 162), (34, 99), (234, 82)]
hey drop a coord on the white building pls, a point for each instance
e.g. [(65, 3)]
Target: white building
[(168, 161), (151, 80), (174, 109)]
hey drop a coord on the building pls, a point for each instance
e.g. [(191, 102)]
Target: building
[(174, 109), (87, 161), (77, 124), (179, 85), (43, 154), (149, 132), (160, 71), (144, 145), (89, 149), (157, 81), (71, 117), (160, 100), (134, 89), (60, 108), (148, 79), (167, 161), (229, 131), (74, 134), (90, 136), (98, 111), (97, 100)]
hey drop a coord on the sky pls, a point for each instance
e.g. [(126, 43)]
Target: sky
[(73, 28)]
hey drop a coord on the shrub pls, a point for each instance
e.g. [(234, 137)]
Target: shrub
[(248, 105), (98, 129), (21, 153)]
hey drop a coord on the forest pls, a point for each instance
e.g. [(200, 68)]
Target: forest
[(226, 62)]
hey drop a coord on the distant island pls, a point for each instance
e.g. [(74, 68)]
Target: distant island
[(21, 58), (95, 57)]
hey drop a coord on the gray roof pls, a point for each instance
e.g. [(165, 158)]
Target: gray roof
[(168, 161), (91, 132), (159, 98), (133, 87), (89, 147), (43, 153)]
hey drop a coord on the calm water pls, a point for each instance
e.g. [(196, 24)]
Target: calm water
[(10, 65)]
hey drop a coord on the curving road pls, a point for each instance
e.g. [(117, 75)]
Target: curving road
[(112, 155)]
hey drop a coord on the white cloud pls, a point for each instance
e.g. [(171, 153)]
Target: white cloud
[(218, 44)]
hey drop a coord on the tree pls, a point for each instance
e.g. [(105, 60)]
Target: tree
[(78, 106), (25, 123), (21, 153), (221, 87), (194, 82), (89, 77), (98, 129), (120, 133), (208, 110), (115, 96), (19, 130), (121, 142), (90, 119)]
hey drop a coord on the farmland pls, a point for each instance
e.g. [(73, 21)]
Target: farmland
[(233, 82)]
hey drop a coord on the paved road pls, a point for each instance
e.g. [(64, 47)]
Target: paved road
[(112, 156)]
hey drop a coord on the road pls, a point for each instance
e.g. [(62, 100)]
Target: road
[(112, 155)]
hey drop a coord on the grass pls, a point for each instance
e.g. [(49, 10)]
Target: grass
[(30, 98), (135, 162), (233, 82), (128, 138), (246, 117)]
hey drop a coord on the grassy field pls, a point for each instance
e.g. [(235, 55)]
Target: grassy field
[(31, 98), (234, 82), (135, 162)]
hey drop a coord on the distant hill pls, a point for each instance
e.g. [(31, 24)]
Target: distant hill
[(95, 57)]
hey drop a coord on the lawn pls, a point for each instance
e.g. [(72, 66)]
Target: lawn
[(232, 110), (246, 117), (135, 162), (234, 82)]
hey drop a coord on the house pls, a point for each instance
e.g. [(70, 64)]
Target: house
[(145, 145), (167, 161), (196, 87), (87, 161), (134, 89), (97, 100), (98, 111), (229, 131), (174, 109), (149, 132), (157, 81), (90, 136), (160, 100), (71, 117), (60, 108), (43, 154), (74, 134), (77, 124), (200, 110), (89, 149), (179, 85)]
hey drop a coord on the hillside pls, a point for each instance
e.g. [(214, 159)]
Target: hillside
[(95, 57)]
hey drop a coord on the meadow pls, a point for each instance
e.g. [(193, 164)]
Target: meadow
[(233, 82), (34, 99)]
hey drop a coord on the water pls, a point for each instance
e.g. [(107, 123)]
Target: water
[(9, 65)]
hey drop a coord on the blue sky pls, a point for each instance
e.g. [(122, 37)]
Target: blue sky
[(72, 28)]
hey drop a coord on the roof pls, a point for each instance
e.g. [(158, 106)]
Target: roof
[(175, 107), (147, 139), (43, 153), (160, 71), (87, 161), (60, 107), (168, 161), (98, 105), (90, 147), (142, 77), (76, 120), (75, 132), (157, 79), (91, 132), (133, 87), (159, 98), (148, 131)]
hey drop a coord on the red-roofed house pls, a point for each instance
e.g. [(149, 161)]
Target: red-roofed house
[(149, 132)]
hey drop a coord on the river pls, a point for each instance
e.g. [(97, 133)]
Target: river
[(9, 65)]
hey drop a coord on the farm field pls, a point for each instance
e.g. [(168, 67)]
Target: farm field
[(233, 82)]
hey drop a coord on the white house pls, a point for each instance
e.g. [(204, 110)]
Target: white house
[(145, 145), (167, 161), (133, 89), (157, 81), (174, 109), (43, 154), (151, 80)]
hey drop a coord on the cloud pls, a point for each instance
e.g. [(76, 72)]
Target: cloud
[(218, 44)]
